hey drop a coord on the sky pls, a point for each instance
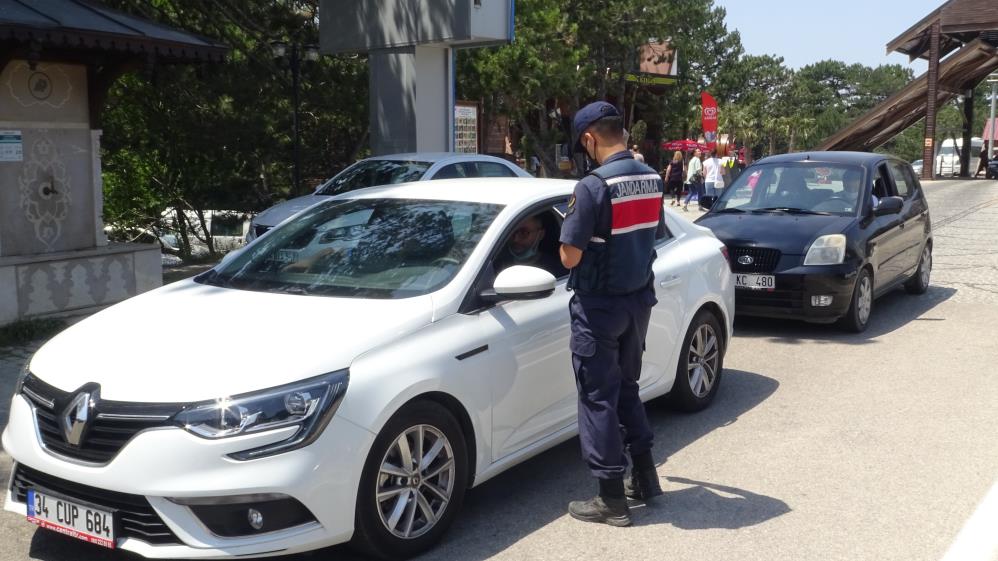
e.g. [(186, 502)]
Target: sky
[(808, 31)]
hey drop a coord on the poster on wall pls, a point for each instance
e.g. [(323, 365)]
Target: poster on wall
[(11, 147), (466, 127)]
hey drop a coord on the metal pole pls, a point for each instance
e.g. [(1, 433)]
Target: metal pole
[(991, 138), (296, 86)]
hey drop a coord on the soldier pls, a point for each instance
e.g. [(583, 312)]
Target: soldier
[(608, 243)]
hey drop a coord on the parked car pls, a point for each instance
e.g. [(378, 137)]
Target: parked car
[(916, 167), (822, 234), (388, 170), (378, 368)]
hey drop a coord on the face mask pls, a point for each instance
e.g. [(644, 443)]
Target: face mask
[(528, 253)]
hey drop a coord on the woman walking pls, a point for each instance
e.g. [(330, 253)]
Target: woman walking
[(674, 178), (694, 178)]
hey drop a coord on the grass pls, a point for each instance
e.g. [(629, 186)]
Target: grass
[(25, 331)]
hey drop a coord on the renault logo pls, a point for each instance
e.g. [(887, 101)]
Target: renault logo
[(745, 260), (77, 415)]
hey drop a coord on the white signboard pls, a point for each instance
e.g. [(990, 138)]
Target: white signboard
[(11, 146)]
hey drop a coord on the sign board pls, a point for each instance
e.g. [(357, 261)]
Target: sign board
[(11, 146), (466, 128)]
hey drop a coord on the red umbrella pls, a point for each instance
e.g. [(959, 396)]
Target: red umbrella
[(683, 145)]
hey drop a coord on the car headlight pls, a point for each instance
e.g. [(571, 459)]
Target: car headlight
[(827, 250), (308, 404)]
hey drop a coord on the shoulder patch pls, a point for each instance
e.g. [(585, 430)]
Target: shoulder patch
[(571, 205)]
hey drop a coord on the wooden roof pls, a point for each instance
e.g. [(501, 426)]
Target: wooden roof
[(966, 68), (84, 26), (960, 22)]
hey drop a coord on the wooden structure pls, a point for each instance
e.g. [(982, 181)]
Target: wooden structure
[(58, 59), (959, 41)]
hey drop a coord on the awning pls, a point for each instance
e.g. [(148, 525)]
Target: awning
[(963, 70)]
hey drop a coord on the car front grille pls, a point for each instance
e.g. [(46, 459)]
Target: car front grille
[(779, 298), (763, 259), (136, 516), (112, 424), (259, 230)]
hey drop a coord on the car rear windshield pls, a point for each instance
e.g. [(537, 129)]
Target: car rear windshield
[(796, 187), (371, 173), (364, 248)]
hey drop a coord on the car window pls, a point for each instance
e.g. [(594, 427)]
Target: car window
[(882, 183), (492, 169), (808, 187), (451, 171), (533, 241), (370, 173), (365, 248), (902, 181)]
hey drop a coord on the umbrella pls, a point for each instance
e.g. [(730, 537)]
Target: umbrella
[(683, 145)]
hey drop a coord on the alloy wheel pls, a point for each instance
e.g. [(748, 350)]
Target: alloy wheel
[(926, 269), (415, 482), (702, 360), (865, 299)]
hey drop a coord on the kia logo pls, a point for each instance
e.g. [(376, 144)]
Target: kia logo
[(745, 260), (76, 416)]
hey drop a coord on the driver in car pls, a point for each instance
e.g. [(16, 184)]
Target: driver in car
[(523, 248), (851, 184)]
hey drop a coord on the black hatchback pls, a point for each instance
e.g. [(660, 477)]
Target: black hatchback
[(818, 236)]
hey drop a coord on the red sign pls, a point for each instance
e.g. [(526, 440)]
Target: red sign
[(709, 119)]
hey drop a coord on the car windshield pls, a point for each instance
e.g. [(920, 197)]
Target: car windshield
[(795, 188), (364, 248), (370, 173)]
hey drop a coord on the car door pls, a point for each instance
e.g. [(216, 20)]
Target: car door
[(886, 245), (914, 216), (533, 386), (665, 330)]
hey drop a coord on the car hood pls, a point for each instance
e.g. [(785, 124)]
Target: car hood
[(190, 342), (791, 234), (277, 213)]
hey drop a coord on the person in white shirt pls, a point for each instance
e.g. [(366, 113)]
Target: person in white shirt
[(711, 173), (637, 154)]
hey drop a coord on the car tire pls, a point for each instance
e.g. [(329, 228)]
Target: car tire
[(919, 282), (410, 494), (701, 363), (861, 307)]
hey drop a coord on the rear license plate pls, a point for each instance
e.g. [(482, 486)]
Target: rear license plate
[(756, 282), (70, 518)]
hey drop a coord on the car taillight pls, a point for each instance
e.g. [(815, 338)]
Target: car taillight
[(724, 252)]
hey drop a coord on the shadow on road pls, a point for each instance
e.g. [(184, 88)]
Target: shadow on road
[(890, 313), (524, 499)]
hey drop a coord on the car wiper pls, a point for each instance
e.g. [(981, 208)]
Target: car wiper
[(790, 210), (730, 210)]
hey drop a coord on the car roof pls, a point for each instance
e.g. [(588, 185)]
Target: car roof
[(854, 158), (493, 190), (435, 157)]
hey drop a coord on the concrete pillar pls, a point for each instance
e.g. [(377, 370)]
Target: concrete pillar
[(411, 100)]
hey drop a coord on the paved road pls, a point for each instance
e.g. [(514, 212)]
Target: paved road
[(822, 445)]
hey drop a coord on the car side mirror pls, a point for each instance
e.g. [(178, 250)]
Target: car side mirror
[(889, 205), (521, 282)]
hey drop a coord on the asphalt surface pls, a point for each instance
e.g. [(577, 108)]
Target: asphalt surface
[(821, 445)]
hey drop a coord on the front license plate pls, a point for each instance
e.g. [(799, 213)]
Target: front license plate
[(756, 282), (73, 519)]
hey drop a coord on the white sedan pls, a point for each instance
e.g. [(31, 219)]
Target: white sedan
[(346, 377)]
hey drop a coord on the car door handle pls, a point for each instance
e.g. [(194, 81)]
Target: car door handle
[(671, 282)]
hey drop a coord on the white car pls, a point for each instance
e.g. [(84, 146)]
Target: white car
[(351, 392), (388, 170)]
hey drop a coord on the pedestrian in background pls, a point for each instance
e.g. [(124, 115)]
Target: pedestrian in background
[(712, 174), (694, 178), (674, 178), (608, 243), (637, 154)]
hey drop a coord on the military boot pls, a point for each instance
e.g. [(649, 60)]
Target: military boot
[(609, 507), (643, 485)]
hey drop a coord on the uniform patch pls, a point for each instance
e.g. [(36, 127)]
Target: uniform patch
[(571, 205)]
